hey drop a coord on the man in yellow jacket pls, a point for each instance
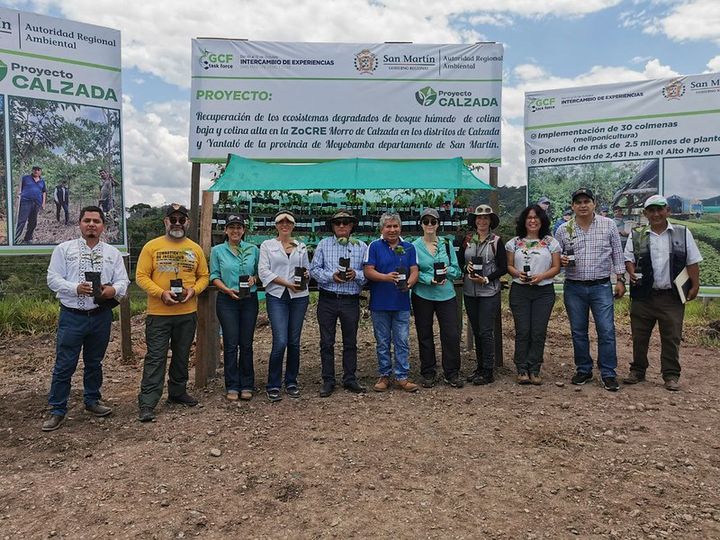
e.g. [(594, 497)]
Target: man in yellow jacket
[(172, 269)]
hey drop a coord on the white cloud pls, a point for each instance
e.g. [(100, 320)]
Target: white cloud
[(156, 35), (693, 20), (714, 64)]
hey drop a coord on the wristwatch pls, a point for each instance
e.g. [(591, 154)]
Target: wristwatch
[(621, 279)]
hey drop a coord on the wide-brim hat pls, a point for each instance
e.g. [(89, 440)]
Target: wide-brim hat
[(341, 214), (484, 210)]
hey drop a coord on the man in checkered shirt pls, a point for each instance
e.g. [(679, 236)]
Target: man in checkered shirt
[(595, 243)]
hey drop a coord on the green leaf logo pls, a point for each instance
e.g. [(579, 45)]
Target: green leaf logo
[(426, 96), (3, 70)]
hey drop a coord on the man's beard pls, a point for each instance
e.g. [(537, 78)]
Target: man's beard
[(177, 233)]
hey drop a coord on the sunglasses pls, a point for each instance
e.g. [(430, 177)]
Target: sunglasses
[(175, 220), (344, 222), (429, 221)]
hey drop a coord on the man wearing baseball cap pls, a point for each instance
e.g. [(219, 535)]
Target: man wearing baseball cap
[(591, 254), (337, 266), (655, 255), (172, 269)]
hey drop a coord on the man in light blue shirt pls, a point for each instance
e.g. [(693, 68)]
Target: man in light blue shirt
[(338, 269)]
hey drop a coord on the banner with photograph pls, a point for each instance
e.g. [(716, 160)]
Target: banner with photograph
[(61, 99), (321, 101), (628, 141)]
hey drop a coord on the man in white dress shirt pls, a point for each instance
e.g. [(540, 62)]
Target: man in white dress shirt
[(85, 312)]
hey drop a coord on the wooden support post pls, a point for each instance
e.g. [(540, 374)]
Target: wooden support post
[(495, 203), (125, 314), (207, 344), (195, 202)]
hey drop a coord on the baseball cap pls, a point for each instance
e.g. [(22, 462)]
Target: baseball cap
[(430, 212), (173, 208), (234, 218), (583, 191), (655, 200), (543, 200)]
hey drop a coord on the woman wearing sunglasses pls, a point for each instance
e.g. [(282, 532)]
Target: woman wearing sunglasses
[(533, 261), (283, 270), (434, 294), (484, 262), (233, 267)]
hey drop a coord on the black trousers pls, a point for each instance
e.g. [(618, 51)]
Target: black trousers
[(329, 310), (531, 307), (482, 312), (447, 316)]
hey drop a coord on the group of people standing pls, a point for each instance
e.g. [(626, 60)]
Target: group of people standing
[(173, 271)]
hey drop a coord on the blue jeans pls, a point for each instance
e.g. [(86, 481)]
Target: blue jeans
[(237, 319), (286, 321), (579, 300), (392, 326), (75, 332)]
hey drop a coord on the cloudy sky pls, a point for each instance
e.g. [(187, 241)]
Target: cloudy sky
[(548, 44)]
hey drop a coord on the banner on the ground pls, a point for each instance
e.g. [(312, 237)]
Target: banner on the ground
[(61, 100), (628, 141), (321, 101)]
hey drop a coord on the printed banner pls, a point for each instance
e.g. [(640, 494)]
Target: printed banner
[(61, 99), (321, 101), (628, 141)]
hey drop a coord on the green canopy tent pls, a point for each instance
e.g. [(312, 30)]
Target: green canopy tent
[(243, 174)]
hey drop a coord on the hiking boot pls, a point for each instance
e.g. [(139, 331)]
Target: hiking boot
[(522, 378), (610, 384), (183, 399), (146, 414), (581, 378), (382, 384), (535, 379), (98, 409), (634, 377), (455, 381), (407, 385), (672, 384), (472, 376), (427, 382), (246, 395), (52, 422), (232, 395)]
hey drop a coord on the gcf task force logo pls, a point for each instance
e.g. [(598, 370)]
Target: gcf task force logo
[(3, 70), (366, 62), (214, 60), (674, 90), (426, 96)]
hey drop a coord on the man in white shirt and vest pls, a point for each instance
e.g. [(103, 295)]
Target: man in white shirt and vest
[(87, 276), (655, 255)]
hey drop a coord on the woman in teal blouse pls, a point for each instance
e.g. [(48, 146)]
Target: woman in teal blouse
[(233, 270), (434, 294)]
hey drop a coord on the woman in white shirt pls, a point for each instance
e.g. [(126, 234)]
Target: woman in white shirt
[(533, 261), (283, 271)]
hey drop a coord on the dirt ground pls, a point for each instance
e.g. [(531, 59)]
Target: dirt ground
[(499, 461)]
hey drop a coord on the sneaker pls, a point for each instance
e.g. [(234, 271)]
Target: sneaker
[(382, 384), (472, 376), (581, 378), (427, 382), (232, 395), (246, 395), (634, 377), (522, 378), (52, 422), (98, 409), (274, 395), (146, 414), (292, 391), (610, 384), (183, 399), (455, 381), (535, 379), (672, 384), (407, 385)]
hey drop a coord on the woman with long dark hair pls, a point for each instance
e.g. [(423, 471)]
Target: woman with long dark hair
[(533, 261)]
